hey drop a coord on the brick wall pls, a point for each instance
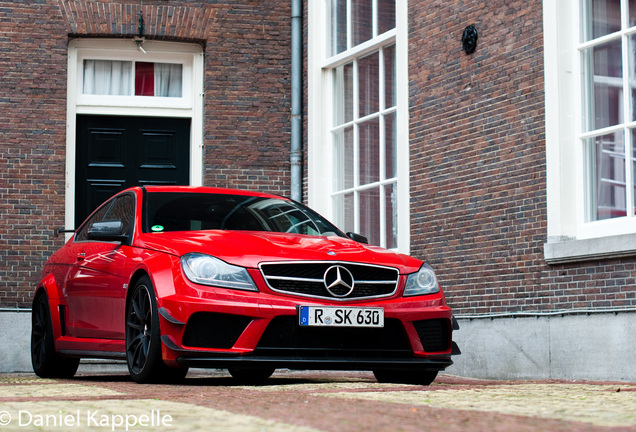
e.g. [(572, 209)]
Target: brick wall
[(32, 150), (478, 174), (246, 107)]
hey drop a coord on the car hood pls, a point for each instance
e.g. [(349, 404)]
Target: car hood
[(250, 248)]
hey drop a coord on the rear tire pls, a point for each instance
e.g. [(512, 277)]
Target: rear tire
[(415, 377), (143, 338), (45, 361)]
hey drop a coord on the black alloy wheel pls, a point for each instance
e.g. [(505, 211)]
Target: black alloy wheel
[(143, 343), (45, 361)]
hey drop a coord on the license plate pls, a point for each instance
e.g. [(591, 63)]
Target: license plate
[(336, 316)]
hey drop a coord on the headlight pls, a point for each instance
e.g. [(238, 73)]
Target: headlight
[(207, 270), (421, 283)]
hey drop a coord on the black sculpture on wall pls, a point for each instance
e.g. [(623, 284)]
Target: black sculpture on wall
[(469, 39)]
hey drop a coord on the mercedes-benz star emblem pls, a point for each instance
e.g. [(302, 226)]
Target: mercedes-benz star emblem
[(338, 281)]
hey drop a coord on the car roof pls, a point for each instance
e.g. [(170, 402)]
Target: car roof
[(209, 190)]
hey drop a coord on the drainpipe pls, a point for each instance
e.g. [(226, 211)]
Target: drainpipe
[(296, 156)]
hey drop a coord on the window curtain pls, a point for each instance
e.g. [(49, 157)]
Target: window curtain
[(158, 79), (144, 79), (107, 77), (168, 79)]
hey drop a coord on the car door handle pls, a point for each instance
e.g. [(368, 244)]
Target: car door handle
[(81, 256)]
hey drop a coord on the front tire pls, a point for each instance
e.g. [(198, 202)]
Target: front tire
[(251, 376), (414, 377), (143, 338), (45, 361)]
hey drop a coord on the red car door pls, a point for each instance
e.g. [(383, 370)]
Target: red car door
[(95, 289)]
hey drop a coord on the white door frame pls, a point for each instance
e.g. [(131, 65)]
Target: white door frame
[(190, 105)]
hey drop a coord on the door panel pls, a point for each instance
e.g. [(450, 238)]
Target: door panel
[(105, 148), (95, 288), (157, 156), (95, 291), (115, 152)]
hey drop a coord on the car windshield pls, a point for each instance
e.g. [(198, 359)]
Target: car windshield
[(175, 211)]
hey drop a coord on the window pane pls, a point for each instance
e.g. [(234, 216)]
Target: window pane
[(344, 212), (368, 84), (362, 21), (390, 147), (338, 26), (632, 13), (370, 215), (369, 151), (389, 76), (168, 80), (107, 77), (349, 212), (343, 94), (390, 205), (343, 158), (605, 84), (144, 79), (604, 17), (123, 210), (386, 15), (608, 176), (632, 77), (158, 79)]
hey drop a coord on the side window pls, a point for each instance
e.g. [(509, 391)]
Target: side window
[(121, 208), (124, 210)]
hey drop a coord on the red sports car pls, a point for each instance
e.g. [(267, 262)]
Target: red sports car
[(174, 277)]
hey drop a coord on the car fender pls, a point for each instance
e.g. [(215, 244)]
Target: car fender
[(160, 268), (52, 289)]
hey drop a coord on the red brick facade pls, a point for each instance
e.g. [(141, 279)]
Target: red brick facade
[(477, 137), (478, 170), (246, 107)]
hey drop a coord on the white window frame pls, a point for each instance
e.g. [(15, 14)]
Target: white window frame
[(570, 237), (321, 168), (190, 105)]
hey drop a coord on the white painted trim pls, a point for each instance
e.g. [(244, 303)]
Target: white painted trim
[(560, 122), (570, 236), (318, 171), (188, 106), (359, 51), (69, 204), (402, 127), (590, 249), (197, 123)]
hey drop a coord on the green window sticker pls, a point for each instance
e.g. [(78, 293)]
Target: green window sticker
[(157, 228)]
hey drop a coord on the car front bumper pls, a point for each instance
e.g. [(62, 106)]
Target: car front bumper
[(230, 329)]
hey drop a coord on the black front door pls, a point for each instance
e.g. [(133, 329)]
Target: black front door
[(114, 153)]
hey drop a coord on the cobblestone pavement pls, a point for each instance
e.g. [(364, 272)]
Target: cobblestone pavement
[(312, 401)]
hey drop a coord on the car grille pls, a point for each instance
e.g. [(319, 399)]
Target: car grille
[(284, 336), (307, 279)]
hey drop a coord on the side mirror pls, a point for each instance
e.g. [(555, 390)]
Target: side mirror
[(107, 231), (357, 237)]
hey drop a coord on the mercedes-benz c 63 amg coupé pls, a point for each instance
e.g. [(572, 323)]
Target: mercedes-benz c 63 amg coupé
[(169, 278)]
